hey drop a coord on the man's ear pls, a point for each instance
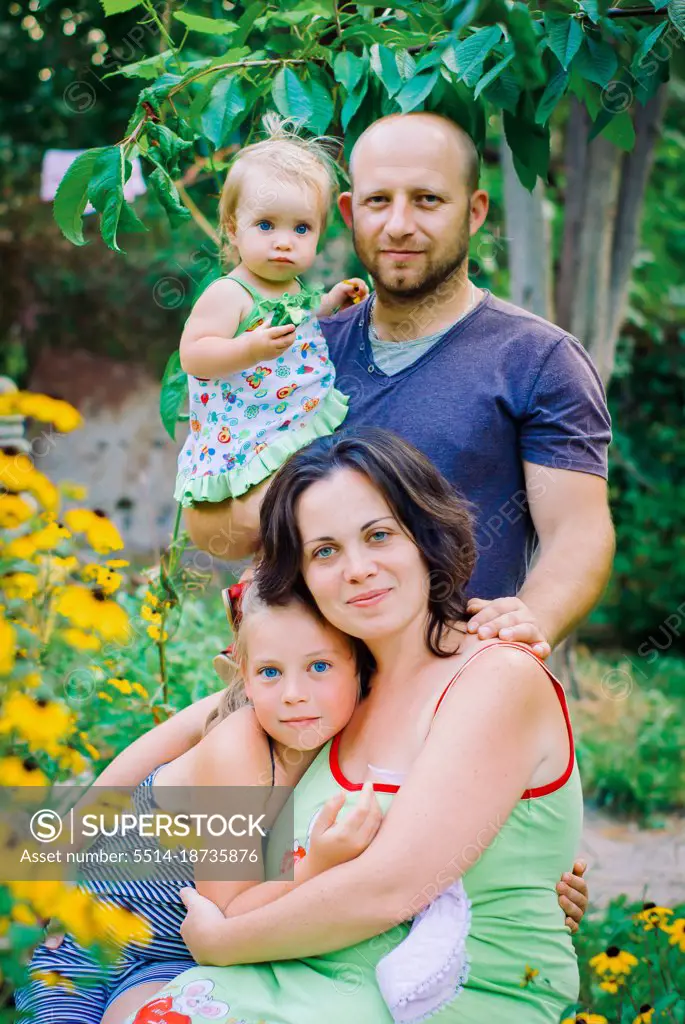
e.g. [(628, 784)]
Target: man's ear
[(345, 207), (478, 210)]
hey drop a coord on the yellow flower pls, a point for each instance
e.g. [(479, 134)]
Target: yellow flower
[(529, 976), (82, 641), (87, 609), (105, 696), (77, 913), (19, 586), (140, 690), (8, 643), (107, 581), (677, 933), (72, 760), (122, 685), (41, 723), (30, 681), (74, 492), (13, 511), (41, 540), (613, 961), (121, 927), (611, 983), (17, 473), (17, 772), (21, 913), (90, 749), (53, 980), (43, 896), (645, 1015), (651, 917), (151, 599), (58, 567), (146, 613), (101, 533), (117, 563), (586, 1018), (158, 635), (41, 407)]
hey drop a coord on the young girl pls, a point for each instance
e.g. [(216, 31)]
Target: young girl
[(297, 684), (258, 392)]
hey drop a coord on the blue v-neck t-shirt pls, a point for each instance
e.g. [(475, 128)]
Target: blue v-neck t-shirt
[(500, 388)]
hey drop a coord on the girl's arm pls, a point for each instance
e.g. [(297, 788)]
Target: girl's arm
[(447, 812), (209, 347)]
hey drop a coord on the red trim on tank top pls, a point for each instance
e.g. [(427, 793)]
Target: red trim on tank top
[(337, 773), (550, 787)]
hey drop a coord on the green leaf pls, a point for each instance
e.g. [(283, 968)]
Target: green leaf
[(106, 191), (556, 87), (208, 26), (164, 190), (247, 21), (353, 102), (322, 106), (226, 108), (384, 66), (150, 68), (349, 69), (529, 143), (72, 196), (290, 96), (620, 130), (119, 6), (129, 219), (676, 12), (591, 8), (648, 39), (415, 91), (504, 92), (406, 65), (173, 394), (493, 74), (565, 37), (466, 58), (596, 61), (166, 147)]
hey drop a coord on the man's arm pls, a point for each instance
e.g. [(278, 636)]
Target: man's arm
[(570, 512)]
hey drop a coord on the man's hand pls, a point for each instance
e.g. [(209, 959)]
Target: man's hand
[(573, 895), (202, 929), (344, 294), (510, 619)]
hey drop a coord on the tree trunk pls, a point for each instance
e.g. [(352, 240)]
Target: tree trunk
[(528, 241)]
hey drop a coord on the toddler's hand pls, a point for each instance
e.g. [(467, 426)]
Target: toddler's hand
[(344, 294), (270, 342), (334, 842)]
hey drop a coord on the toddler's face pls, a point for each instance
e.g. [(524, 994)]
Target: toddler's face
[(277, 228), (300, 675)]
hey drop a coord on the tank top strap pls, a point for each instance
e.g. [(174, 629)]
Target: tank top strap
[(249, 288)]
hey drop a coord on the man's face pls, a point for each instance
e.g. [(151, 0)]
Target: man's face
[(410, 208)]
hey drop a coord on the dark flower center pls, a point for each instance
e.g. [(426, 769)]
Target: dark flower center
[(613, 951), (9, 449), (100, 513), (648, 906), (99, 594), (30, 764), (645, 1008), (41, 702)]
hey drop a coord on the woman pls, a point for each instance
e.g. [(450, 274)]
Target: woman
[(365, 526)]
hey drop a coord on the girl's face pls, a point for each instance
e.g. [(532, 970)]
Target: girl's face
[(278, 224), (365, 573), (300, 674)]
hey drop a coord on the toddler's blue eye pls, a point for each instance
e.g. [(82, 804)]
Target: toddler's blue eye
[(264, 225), (302, 229), (321, 552), (320, 667), (269, 672)]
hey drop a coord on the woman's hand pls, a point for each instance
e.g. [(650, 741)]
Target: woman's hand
[(510, 619), (344, 294), (334, 842), (204, 929), (573, 895)]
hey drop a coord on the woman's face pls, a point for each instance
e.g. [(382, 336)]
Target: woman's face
[(365, 573)]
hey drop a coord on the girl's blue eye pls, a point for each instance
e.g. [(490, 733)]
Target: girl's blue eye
[(264, 225), (269, 672), (321, 553), (301, 229), (379, 533), (319, 667)]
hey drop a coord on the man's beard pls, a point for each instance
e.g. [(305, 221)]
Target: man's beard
[(435, 274)]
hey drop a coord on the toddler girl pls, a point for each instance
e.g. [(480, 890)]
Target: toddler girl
[(259, 392), (297, 681)]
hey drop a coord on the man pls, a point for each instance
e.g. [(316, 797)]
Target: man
[(508, 406)]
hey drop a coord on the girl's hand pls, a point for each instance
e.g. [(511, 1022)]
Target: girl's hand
[(334, 842), (270, 342), (202, 929), (344, 294)]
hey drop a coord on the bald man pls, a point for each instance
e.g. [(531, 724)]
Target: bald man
[(508, 406)]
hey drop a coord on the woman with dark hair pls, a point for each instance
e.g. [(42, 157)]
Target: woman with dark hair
[(478, 780)]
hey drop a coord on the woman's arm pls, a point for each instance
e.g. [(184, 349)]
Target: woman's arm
[(423, 844)]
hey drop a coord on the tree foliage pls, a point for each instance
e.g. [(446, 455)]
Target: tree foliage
[(336, 67)]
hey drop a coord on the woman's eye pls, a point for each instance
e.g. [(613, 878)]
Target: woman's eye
[(319, 667), (269, 672), (302, 229), (264, 225), (379, 535), (324, 552)]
